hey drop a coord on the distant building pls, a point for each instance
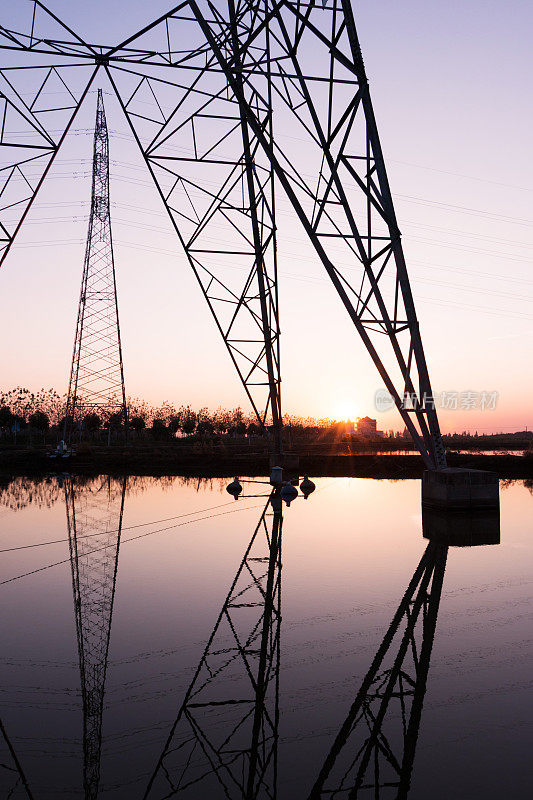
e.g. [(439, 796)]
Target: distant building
[(367, 428)]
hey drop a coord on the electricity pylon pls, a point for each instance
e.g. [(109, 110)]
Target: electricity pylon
[(225, 737), (231, 102), (94, 519), (13, 782), (97, 376)]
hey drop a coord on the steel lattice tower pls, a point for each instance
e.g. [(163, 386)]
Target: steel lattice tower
[(94, 519), (97, 376), (233, 102)]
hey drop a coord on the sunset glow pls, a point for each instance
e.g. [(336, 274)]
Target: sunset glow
[(266, 430), (346, 410)]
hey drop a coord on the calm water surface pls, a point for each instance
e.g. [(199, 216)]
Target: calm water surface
[(213, 649)]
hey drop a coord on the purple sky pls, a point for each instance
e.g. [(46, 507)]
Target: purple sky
[(450, 86)]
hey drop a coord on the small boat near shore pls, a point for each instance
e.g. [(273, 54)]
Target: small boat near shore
[(61, 451)]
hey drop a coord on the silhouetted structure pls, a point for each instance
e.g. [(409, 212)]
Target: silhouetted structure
[(96, 383), (94, 518), (374, 751), (13, 782), (203, 89), (224, 740), (368, 754)]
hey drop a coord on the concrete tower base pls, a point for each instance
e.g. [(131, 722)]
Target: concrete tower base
[(456, 489)]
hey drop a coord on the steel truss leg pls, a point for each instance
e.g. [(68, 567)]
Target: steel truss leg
[(427, 438)]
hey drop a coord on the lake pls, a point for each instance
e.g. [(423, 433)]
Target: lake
[(160, 640)]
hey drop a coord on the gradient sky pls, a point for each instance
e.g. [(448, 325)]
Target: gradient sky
[(450, 86)]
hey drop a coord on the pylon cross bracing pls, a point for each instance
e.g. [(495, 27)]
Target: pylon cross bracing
[(232, 103)]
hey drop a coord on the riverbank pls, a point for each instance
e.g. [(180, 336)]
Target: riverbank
[(168, 460)]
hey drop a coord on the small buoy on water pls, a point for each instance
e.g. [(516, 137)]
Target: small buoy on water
[(307, 487), (288, 493), (234, 488)]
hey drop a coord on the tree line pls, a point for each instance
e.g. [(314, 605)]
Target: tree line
[(44, 412), (33, 416)]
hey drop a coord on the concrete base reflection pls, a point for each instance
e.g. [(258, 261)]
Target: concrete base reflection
[(461, 529)]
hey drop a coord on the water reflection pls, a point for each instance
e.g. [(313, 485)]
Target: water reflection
[(13, 782), (43, 492), (461, 530), (375, 746), (21, 492), (225, 738), (94, 520), (224, 731)]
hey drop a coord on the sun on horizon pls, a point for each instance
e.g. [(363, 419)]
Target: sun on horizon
[(345, 410)]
